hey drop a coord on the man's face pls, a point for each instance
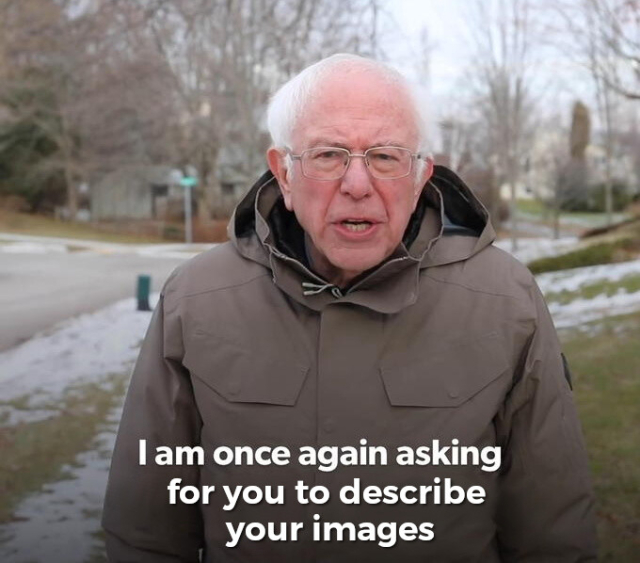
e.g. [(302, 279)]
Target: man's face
[(355, 111)]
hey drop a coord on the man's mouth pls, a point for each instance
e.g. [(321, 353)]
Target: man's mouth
[(356, 226)]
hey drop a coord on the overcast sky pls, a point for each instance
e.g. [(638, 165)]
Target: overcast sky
[(446, 31), (558, 82)]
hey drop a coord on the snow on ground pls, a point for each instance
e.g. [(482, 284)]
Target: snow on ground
[(58, 524), (574, 279), (26, 247), (23, 244), (530, 228), (530, 249), (581, 311), (37, 373), (81, 350)]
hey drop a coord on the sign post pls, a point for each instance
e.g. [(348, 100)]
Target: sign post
[(188, 182)]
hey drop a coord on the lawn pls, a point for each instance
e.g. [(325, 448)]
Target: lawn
[(606, 372), (35, 453), (605, 363), (628, 284), (39, 225), (536, 210)]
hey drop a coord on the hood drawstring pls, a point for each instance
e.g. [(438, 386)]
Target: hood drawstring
[(316, 288)]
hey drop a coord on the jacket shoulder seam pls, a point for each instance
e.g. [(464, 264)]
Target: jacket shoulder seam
[(474, 289), (214, 289)]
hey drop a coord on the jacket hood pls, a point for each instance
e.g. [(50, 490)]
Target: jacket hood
[(449, 225)]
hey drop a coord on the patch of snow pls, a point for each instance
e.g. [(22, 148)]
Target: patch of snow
[(594, 220), (11, 415), (22, 243), (184, 251), (32, 248), (530, 249), (59, 523), (89, 244), (527, 227), (582, 311), (574, 279), (78, 351)]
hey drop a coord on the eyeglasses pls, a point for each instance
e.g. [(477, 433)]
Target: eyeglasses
[(331, 163)]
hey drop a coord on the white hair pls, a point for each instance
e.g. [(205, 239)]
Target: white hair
[(289, 102)]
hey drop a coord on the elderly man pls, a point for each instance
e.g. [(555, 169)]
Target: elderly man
[(358, 303)]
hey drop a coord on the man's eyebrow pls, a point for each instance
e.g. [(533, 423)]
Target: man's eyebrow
[(325, 142), (390, 143)]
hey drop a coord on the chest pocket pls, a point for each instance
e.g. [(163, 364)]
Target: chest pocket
[(446, 376), (240, 375)]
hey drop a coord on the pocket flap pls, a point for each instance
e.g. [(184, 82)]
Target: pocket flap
[(243, 376), (446, 377)]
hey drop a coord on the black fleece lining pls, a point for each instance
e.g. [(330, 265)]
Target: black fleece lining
[(245, 219), (287, 232), (459, 202)]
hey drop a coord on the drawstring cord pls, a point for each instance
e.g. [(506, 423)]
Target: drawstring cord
[(316, 288)]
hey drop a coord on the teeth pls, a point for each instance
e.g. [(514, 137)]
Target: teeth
[(356, 227)]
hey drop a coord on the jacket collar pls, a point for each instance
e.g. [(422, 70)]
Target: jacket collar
[(391, 286)]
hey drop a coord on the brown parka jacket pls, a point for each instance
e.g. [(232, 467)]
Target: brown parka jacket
[(449, 339)]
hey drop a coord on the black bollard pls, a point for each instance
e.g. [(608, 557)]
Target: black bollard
[(144, 287)]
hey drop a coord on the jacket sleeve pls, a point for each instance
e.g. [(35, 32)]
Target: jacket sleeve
[(140, 524), (545, 506)]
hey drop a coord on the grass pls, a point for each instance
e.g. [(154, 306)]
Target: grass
[(629, 284), (536, 209), (606, 372), (38, 225), (533, 207), (606, 252), (36, 453)]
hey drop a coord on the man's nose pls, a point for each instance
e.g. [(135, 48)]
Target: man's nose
[(356, 181)]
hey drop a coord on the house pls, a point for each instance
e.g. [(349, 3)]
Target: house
[(136, 192)]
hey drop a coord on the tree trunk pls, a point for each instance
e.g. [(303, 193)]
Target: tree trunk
[(556, 213), (513, 215), (513, 205), (608, 188), (72, 194), (204, 207)]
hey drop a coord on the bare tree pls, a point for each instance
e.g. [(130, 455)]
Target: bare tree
[(456, 136), (607, 33), (171, 81), (226, 57), (66, 75), (604, 38), (39, 83), (501, 76)]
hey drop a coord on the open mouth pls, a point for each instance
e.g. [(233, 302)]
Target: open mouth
[(356, 226)]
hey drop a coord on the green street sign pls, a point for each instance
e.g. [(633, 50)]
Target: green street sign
[(189, 181)]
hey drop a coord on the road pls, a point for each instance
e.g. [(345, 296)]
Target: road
[(46, 284)]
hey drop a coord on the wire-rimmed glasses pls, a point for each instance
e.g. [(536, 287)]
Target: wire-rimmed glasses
[(331, 163)]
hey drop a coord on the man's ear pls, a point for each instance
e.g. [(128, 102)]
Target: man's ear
[(278, 167), (425, 175)]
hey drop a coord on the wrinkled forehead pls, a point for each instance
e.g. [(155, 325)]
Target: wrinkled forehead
[(358, 98)]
